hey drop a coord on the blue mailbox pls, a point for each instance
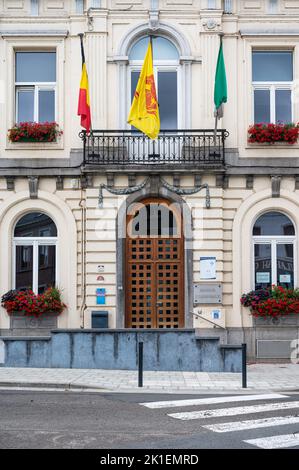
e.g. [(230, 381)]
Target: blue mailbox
[(99, 319)]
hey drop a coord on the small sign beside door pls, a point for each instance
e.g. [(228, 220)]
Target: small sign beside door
[(216, 314), (205, 294), (207, 267), (101, 296)]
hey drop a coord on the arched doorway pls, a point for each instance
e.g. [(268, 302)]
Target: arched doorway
[(154, 265)]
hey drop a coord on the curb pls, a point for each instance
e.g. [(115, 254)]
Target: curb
[(145, 390), (62, 386)]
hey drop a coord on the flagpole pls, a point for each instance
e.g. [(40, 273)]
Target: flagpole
[(216, 110), (152, 47), (82, 47), (81, 35)]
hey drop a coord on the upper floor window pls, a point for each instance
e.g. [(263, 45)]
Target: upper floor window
[(34, 7), (211, 4), (35, 86), (80, 6), (272, 6), (166, 65), (272, 77), (227, 6)]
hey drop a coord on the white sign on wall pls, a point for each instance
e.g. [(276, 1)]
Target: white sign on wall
[(208, 267)]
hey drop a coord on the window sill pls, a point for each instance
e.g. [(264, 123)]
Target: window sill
[(271, 145), (58, 145)]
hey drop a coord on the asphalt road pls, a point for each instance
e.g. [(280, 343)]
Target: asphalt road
[(70, 420)]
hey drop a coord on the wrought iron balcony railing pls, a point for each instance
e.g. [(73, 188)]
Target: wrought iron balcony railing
[(190, 148)]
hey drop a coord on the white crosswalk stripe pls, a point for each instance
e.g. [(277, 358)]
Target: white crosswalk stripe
[(239, 410), (211, 400), (276, 442), (234, 426), (205, 412)]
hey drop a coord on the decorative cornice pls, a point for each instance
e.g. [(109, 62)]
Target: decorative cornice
[(59, 183), (269, 32), (10, 183), (161, 182), (211, 24), (188, 191), (249, 181), (33, 186), (120, 191), (275, 184), (153, 20), (18, 33)]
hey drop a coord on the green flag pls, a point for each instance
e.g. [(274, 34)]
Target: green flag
[(220, 90)]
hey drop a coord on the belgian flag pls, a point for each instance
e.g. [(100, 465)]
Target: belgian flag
[(84, 102)]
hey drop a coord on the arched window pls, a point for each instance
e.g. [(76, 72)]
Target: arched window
[(274, 244), (34, 252), (166, 67)]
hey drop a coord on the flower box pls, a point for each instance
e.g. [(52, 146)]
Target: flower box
[(21, 324), (271, 134), (284, 321), (274, 302), (34, 132), (29, 304)]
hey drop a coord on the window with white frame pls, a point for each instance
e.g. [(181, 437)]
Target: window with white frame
[(95, 4), (166, 71), (34, 253), (272, 7), (211, 4), (79, 6), (274, 250), (272, 79), (35, 86), (34, 6), (227, 6)]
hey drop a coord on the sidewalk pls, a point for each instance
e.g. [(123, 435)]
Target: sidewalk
[(260, 377)]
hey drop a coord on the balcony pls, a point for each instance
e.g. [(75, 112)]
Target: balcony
[(173, 149)]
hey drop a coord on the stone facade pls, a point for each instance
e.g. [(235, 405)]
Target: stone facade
[(254, 179)]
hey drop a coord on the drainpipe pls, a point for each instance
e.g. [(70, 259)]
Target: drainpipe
[(83, 306)]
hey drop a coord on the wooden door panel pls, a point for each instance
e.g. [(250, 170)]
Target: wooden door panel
[(141, 295), (154, 282), (169, 296)]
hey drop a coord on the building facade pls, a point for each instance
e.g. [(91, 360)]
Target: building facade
[(231, 208)]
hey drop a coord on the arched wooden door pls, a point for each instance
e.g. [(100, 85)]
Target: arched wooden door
[(154, 265)]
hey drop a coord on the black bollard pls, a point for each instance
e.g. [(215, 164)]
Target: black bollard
[(140, 364), (244, 365)]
